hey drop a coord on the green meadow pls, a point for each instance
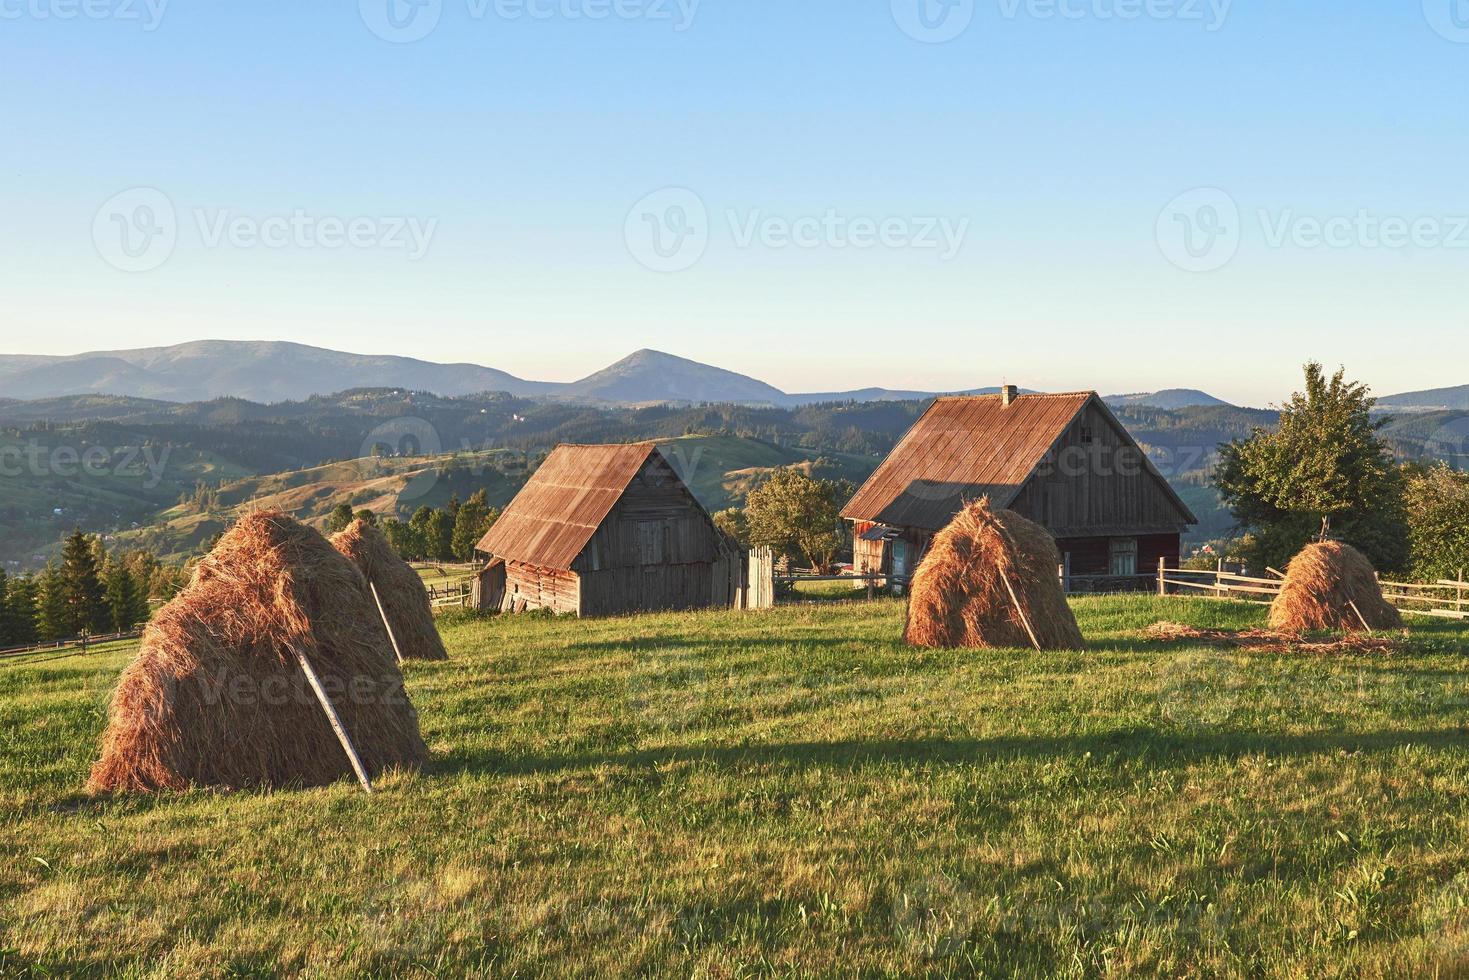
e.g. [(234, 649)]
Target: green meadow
[(788, 793)]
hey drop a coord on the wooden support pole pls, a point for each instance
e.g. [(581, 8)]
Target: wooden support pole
[(1024, 619), (384, 614), (1353, 604), (331, 716), (1162, 575)]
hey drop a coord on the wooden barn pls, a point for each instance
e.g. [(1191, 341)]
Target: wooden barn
[(602, 530), (1063, 461)]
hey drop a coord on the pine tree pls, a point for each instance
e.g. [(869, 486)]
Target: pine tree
[(7, 625), (341, 517), (81, 586), (53, 615), (21, 609), (125, 602)]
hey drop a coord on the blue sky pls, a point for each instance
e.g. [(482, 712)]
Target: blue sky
[(1111, 194)]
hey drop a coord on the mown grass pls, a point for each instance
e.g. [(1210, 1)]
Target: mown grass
[(789, 792)]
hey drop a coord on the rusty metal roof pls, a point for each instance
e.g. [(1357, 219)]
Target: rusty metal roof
[(964, 448), (554, 517)]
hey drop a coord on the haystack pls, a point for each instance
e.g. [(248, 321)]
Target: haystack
[(217, 696), (404, 598), (1331, 586), (990, 580)]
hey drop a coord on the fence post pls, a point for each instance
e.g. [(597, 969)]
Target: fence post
[(1459, 602), (1162, 575)]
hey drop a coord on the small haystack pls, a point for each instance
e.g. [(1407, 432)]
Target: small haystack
[(217, 696), (990, 580), (404, 598), (1331, 586)]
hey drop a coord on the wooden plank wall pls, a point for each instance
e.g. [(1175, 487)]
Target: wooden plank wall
[(656, 522), (652, 588), (1095, 489), (530, 587)]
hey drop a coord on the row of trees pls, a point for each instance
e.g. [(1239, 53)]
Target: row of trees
[(431, 534), (1325, 471), (86, 591)]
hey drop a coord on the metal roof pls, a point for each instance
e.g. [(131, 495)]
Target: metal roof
[(554, 517), (964, 448)]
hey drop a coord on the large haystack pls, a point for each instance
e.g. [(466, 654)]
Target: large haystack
[(1331, 586), (217, 697), (962, 592), (404, 598)]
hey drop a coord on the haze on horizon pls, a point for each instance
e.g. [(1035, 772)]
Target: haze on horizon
[(827, 198)]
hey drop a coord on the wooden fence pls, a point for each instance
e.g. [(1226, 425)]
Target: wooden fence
[(1444, 599), (81, 644)]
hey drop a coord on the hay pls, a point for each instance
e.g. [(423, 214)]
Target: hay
[(1322, 585), (961, 593), (216, 696), (1270, 641), (403, 594)]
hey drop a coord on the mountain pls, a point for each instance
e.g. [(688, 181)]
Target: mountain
[(269, 371), (652, 376), (1169, 398), (1434, 399)]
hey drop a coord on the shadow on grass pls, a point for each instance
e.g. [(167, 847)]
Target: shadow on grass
[(1134, 745)]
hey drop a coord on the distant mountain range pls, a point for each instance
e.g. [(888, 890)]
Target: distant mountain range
[(273, 371)]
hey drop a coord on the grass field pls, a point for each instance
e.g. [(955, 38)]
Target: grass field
[(789, 792)]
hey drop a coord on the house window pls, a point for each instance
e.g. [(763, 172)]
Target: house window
[(1123, 556), (1087, 435)]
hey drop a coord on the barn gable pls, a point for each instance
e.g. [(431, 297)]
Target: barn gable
[(1029, 453)]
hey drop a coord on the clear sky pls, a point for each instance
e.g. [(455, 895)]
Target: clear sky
[(1110, 194)]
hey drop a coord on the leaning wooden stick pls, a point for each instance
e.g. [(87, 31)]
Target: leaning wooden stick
[(1353, 604), (384, 614), (331, 715), (1024, 620)]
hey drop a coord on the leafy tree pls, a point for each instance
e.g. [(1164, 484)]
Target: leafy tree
[(367, 517), (81, 587), (1438, 523), (1324, 467), (732, 522), (797, 516), (340, 517), (473, 520), (405, 540), (435, 530)]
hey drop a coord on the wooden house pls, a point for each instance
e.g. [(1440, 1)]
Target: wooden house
[(602, 530), (1063, 461)]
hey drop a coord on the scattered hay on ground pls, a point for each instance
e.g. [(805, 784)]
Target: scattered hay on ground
[(402, 591), (1331, 587), (1271, 641), (216, 696), (966, 590)]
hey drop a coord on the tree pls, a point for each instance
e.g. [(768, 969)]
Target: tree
[(53, 617), (797, 516), (1437, 503), (732, 523), (474, 518), (405, 540), (1324, 467), (19, 602), (435, 530), (367, 517), (127, 605), (339, 519), (7, 619), (81, 587)]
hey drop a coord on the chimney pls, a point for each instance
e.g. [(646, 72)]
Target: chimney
[(1008, 394)]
